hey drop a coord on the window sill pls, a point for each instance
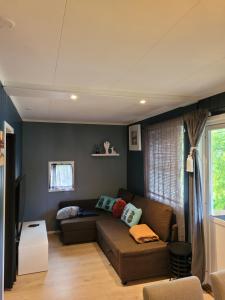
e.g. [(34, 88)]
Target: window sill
[(61, 190), (220, 217), (220, 220)]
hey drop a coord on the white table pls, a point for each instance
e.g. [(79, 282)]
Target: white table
[(33, 248)]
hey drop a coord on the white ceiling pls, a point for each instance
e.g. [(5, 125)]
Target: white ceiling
[(112, 54)]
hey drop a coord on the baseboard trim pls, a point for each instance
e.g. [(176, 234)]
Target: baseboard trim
[(53, 231), (207, 288)]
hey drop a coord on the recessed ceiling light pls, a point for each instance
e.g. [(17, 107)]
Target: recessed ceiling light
[(143, 101), (73, 97)]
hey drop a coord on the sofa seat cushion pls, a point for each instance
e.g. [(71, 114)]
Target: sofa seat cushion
[(83, 222), (117, 235)]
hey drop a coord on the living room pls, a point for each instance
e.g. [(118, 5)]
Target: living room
[(112, 165)]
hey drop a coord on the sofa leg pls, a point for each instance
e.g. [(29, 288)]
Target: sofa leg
[(124, 282)]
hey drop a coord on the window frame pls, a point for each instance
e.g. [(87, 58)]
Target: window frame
[(63, 189), (209, 192), (210, 221)]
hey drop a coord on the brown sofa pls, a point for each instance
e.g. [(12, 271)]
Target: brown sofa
[(131, 261)]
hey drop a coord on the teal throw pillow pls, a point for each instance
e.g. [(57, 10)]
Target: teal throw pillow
[(131, 215), (106, 203)]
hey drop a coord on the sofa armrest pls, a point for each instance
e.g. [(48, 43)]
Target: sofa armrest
[(174, 233), (84, 203)]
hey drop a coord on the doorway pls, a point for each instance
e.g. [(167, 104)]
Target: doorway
[(10, 214), (8, 130), (214, 173)]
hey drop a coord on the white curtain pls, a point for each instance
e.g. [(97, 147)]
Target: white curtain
[(61, 176), (164, 166)]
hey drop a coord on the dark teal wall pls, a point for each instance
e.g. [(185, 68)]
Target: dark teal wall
[(135, 159), (44, 142), (8, 113)]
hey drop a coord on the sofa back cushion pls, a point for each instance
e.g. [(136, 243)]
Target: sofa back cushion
[(156, 215), (85, 203), (125, 195)]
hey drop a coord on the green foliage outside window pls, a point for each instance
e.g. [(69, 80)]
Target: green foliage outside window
[(218, 168)]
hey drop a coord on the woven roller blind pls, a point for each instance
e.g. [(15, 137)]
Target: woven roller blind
[(164, 166)]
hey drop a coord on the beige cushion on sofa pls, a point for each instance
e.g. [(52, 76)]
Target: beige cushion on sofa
[(218, 284), (181, 289)]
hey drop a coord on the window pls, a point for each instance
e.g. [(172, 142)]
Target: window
[(217, 169), (61, 176), (164, 166)]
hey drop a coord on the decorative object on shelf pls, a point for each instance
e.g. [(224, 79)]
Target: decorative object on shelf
[(97, 149), (113, 151), (1, 148), (109, 151), (106, 146), (135, 137)]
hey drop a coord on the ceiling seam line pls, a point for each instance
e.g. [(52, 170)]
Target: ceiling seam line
[(188, 77), (160, 39), (60, 41), (114, 93), (168, 31)]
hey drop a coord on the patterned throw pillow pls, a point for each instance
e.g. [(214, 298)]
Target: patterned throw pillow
[(67, 212), (118, 208), (131, 215), (106, 203)]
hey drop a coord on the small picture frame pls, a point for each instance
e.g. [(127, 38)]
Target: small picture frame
[(135, 137)]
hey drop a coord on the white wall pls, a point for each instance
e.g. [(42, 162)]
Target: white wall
[(217, 244)]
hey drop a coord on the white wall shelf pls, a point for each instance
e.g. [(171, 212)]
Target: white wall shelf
[(104, 155)]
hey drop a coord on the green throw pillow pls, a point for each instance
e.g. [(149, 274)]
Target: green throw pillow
[(131, 215), (106, 203)]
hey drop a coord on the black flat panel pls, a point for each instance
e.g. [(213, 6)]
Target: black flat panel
[(10, 214), (9, 114)]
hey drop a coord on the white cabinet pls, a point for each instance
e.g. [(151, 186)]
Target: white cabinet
[(33, 248)]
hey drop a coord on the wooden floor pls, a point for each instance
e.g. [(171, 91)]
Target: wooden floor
[(77, 272)]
